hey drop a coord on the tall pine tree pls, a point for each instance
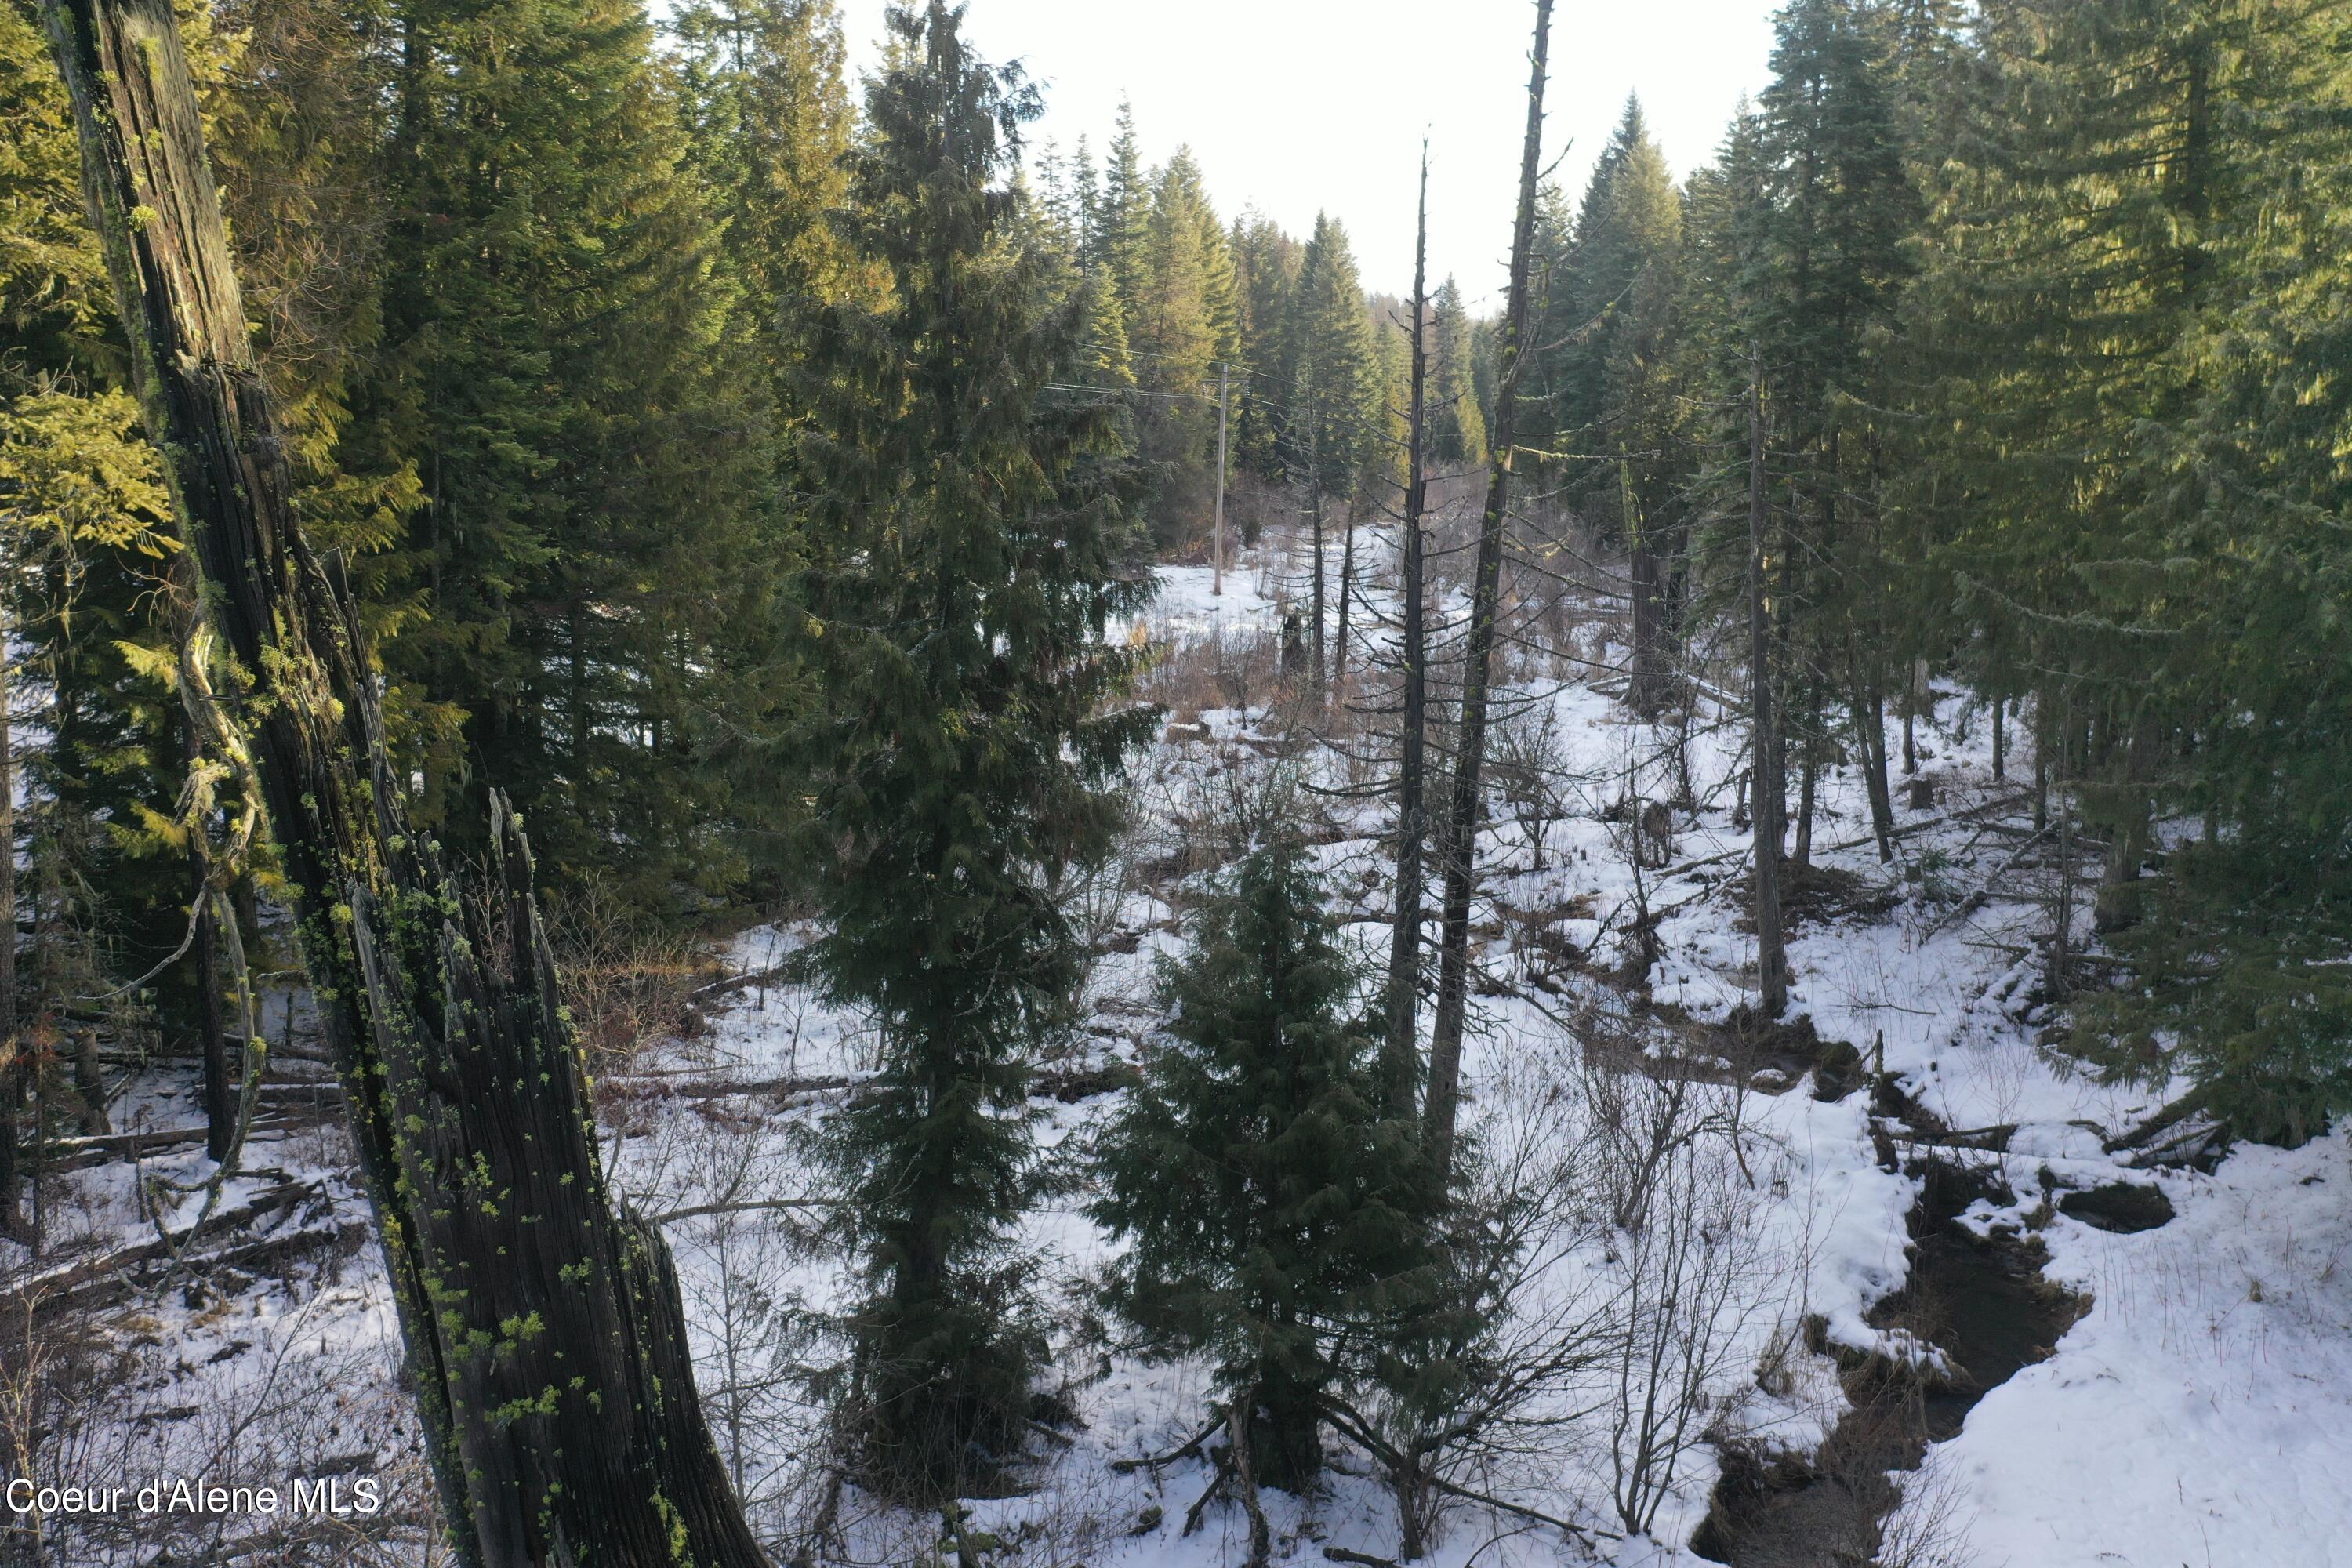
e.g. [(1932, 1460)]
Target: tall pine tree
[(971, 725)]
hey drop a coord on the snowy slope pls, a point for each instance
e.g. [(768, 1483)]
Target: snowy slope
[(2199, 1413)]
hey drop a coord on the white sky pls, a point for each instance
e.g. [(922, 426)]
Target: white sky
[(1299, 105)]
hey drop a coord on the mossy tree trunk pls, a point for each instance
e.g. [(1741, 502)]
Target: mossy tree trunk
[(546, 1341)]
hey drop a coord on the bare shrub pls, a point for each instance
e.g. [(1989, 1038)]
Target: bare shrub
[(627, 979), (1928, 1527), (1240, 669), (1527, 758), (1482, 1396), (1694, 1279)]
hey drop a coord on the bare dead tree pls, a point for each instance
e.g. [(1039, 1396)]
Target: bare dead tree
[(1771, 944), (1413, 654), (1459, 841), (545, 1338)]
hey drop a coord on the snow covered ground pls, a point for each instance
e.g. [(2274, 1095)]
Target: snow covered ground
[(2200, 1411)]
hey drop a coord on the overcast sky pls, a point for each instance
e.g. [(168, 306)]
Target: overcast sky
[(1298, 105)]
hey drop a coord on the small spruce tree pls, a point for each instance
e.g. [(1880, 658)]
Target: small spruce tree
[(1265, 1195)]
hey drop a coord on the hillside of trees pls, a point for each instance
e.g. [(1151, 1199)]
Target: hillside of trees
[(1316, 852)]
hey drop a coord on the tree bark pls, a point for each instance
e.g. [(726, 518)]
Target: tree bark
[(2129, 810), (545, 1338), (1911, 726), (13, 1055), (1647, 690), (203, 963), (2000, 743), (1403, 1064), (1870, 727), (1459, 843), (1809, 773), (1771, 946)]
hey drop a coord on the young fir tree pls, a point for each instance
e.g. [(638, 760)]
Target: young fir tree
[(972, 726), (1266, 1195)]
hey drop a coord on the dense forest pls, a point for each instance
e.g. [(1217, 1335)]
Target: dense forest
[(530, 526)]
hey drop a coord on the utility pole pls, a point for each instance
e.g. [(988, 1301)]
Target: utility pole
[(1224, 382)]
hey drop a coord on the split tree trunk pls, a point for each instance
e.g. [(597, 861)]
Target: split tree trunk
[(1402, 1067), (14, 1056), (546, 1342), (1459, 842)]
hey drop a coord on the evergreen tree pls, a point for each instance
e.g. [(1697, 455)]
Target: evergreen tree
[(1839, 210), (1457, 421), (1555, 331), (299, 110), (84, 550), (1336, 418), (971, 725), (1628, 403), (1591, 279), (769, 126), (1184, 322), (563, 347), (1117, 237), (1265, 1193), (2140, 278), (1266, 263), (762, 84)]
